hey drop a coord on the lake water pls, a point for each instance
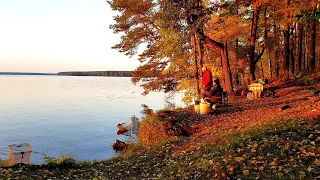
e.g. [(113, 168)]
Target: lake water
[(67, 114)]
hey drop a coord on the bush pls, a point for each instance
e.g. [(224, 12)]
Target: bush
[(152, 131), (4, 163)]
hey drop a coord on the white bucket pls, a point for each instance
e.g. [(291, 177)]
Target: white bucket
[(204, 108), (197, 108)]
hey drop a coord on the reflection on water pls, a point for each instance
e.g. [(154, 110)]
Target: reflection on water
[(60, 114), (130, 130)]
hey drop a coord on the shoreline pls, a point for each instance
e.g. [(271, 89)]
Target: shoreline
[(246, 128)]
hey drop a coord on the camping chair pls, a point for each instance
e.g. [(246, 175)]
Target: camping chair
[(221, 101), (224, 97)]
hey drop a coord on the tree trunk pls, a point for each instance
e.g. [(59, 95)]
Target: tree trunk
[(306, 48), (262, 72), (291, 50), (195, 59), (237, 78), (200, 55), (224, 58), (199, 44), (265, 40), (286, 59), (253, 36), (298, 62), (270, 64), (312, 51), (277, 63), (226, 68), (275, 59)]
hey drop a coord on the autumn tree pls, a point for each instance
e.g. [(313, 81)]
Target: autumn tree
[(173, 38), (157, 31), (197, 17)]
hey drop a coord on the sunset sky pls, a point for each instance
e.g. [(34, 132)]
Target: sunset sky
[(59, 35)]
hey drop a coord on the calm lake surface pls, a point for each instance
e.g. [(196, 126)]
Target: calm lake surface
[(67, 114)]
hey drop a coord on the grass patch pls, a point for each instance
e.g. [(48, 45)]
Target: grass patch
[(4, 163), (281, 151), (64, 158)]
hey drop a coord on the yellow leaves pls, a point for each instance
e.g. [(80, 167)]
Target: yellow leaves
[(265, 140), (260, 157), (223, 175), (246, 172), (286, 170), (273, 164), (224, 160), (286, 146), (310, 154), (230, 170), (227, 27), (302, 148), (255, 145), (302, 175), (6, 172), (217, 167), (279, 175), (239, 159), (313, 143), (309, 169)]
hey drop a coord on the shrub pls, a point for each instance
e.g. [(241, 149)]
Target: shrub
[(4, 163), (152, 131)]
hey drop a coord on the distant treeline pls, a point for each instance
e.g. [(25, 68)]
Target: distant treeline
[(98, 73), (24, 73)]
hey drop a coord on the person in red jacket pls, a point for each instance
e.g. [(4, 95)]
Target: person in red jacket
[(206, 79), (214, 94)]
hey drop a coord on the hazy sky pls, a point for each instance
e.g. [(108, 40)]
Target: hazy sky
[(59, 35)]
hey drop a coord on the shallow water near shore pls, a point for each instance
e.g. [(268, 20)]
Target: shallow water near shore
[(64, 114)]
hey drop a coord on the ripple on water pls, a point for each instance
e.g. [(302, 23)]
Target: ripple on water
[(59, 114)]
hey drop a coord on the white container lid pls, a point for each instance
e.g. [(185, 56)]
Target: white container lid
[(19, 148)]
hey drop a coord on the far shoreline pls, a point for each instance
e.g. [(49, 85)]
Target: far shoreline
[(97, 73), (27, 73)]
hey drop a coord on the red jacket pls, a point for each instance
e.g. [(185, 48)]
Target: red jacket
[(207, 78)]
